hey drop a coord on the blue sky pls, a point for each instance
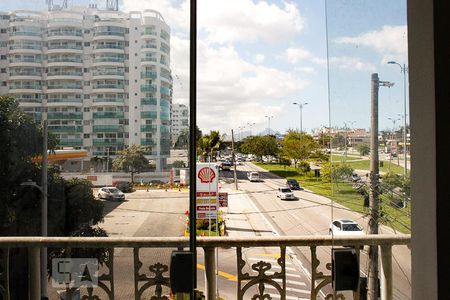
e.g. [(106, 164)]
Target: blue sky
[(257, 57)]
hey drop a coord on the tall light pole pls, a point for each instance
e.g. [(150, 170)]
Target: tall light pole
[(403, 69), (394, 121), (268, 120), (300, 106), (374, 204), (346, 138), (250, 125)]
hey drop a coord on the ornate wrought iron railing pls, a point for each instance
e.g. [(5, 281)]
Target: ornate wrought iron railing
[(266, 275)]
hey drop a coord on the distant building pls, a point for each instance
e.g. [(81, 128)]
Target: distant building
[(180, 120), (101, 78)]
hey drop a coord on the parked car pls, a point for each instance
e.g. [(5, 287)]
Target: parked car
[(293, 184), (124, 186), (253, 176), (285, 193), (345, 227), (111, 193), (356, 177), (226, 166)]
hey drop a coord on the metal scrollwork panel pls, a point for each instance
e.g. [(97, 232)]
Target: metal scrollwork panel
[(4, 273), (261, 280), (105, 282), (142, 282)]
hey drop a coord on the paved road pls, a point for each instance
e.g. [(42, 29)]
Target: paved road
[(312, 214)]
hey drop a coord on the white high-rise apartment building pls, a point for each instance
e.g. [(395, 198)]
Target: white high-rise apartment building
[(180, 120), (101, 78)]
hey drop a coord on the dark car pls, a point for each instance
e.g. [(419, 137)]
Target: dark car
[(124, 186), (293, 184)]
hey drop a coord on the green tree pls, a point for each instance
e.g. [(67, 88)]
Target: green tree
[(72, 207), (338, 141), (178, 164), (298, 146), (324, 140), (260, 146), (209, 144), (363, 149), (336, 172), (131, 160)]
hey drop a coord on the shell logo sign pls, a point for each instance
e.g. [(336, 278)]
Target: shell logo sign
[(206, 175)]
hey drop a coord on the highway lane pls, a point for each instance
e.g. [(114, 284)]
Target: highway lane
[(312, 214)]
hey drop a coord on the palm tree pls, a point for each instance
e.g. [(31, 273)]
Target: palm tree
[(209, 144)]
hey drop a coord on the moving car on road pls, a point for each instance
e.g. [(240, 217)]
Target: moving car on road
[(253, 176), (226, 166), (285, 193), (293, 184), (124, 186), (345, 227), (111, 193)]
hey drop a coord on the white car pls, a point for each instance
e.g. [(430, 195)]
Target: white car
[(253, 176), (111, 193), (285, 193), (345, 227)]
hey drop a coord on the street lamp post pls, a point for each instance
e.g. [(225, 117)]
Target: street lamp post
[(394, 121), (268, 120), (403, 69), (300, 106), (250, 125)]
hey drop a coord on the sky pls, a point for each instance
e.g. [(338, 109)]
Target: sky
[(255, 58)]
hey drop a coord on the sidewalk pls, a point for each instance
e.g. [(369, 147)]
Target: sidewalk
[(242, 218)]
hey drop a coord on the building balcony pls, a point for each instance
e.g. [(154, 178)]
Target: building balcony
[(107, 128), (115, 36), (149, 75), (268, 282), (65, 75), (148, 101), (65, 50), (108, 142), (149, 115), (149, 128), (65, 62), (25, 76), (108, 115), (65, 129), (77, 142), (148, 142), (65, 115), (108, 50), (148, 88), (25, 89)]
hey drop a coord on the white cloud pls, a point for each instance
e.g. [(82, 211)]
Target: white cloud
[(231, 90), (259, 58), (391, 42), (295, 55), (248, 21), (350, 63), (308, 70)]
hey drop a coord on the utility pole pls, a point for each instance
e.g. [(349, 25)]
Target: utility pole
[(372, 291), (44, 211), (268, 120), (233, 160)]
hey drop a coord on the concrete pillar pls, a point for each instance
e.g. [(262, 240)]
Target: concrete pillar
[(386, 272), (210, 273), (34, 270)]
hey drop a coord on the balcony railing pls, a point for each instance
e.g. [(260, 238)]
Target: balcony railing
[(107, 128), (108, 142), (269, 282), (108, 115), (70, 128), (71, 142), (65, 115), (149, 128)]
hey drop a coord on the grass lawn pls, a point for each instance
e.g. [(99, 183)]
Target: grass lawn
[(344, 194), (339, 157), (365, 165)]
